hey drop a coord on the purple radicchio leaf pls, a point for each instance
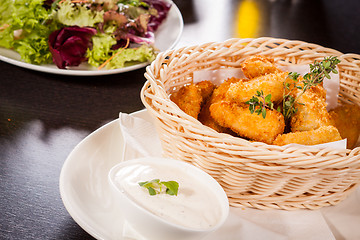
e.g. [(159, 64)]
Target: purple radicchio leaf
[(162, 8), (68, 45)]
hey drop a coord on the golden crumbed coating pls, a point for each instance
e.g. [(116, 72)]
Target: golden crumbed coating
[(257, 66), (346, 119), (239, 119), (311, 113), (189, 99), (218, 94), (206, 119), (319, 90), (323, 134), (206, 88), (272, 83)]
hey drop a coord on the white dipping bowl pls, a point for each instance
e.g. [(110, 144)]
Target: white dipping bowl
[(147, 222)]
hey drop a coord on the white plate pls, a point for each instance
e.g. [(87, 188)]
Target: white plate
[(166, 37), (86, 194)]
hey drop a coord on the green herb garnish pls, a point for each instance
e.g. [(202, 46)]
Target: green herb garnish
[(259, 103), (318, 72), (156, 186)]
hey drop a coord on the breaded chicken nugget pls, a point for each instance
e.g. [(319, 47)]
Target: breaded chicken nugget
[(206, 119), (319, 90), (206, 89), (311, 113), (190, 97), (239, 119), (218, 94), (346, 119), (323, 134), (272, 83), (255, 66)]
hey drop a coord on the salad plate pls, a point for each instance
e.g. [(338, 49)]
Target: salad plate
[(166, 37), (87, 196)]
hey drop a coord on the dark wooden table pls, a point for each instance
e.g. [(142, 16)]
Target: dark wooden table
[(44, 116)]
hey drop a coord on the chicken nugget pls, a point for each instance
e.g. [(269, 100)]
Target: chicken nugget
[(272, 83), (206, 119), (218, 94), (240, 120), (311, 112), (323, 134), (346, 119), (257, 65), (206, 88), (190, 97), (319, 90)]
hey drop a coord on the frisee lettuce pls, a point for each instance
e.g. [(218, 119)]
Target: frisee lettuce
[(101, 49), (6, 32), (70, 14), (5, 10), (27, 19), (131, 55), (34, 50), (6, 36)]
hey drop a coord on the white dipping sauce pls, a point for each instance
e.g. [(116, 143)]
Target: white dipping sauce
[(195, 205)]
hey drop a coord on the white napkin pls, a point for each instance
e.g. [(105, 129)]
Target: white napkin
[(273, 224), (344, 219), (141, 139)]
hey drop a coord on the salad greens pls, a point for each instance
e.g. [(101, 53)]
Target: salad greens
[(141, 54), (23, 29), (80, 15), (69, 32)]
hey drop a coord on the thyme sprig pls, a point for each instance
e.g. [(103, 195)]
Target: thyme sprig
[(259, 103), (320, 70)]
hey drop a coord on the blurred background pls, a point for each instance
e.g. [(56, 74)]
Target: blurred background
[(330, 23)]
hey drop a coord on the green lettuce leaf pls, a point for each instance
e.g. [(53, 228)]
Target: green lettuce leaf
[(34, 50), (101, 49), (6, 32), (27, 14), (6, 36), (30, 20), (131, 55), (70, 14), (6, 7)]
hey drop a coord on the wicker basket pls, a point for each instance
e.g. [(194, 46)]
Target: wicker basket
[(253, 174)]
